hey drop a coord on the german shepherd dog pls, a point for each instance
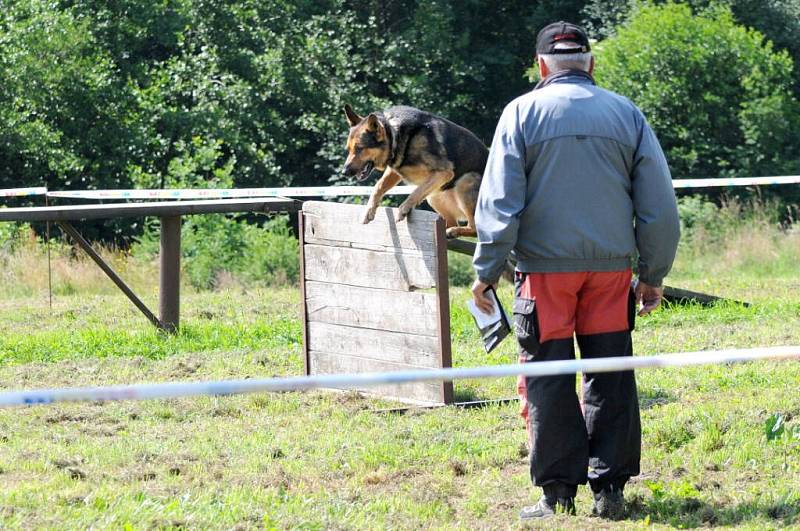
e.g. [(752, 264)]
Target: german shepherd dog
[(444, 160)]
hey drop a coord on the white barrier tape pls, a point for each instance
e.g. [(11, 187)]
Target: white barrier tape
[(735, 181), (347, 381), (221, 193), (339, 191), (23, 192)]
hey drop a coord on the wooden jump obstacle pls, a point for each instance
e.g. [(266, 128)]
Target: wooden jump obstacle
[(376, 296)]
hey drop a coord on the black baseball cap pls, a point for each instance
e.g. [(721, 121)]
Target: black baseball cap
[(559, 33)]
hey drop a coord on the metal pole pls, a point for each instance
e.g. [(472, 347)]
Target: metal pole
[(170, 280)]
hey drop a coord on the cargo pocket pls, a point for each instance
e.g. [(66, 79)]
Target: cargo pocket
[(631, 310), (526, 326)]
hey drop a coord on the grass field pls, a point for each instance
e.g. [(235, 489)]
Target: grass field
[(324, 460)]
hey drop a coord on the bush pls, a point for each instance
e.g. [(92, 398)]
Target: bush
[(459, 269), (217, 249), (717, 94), (12, 235)]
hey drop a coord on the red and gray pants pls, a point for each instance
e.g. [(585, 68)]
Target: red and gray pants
[(600, 439)]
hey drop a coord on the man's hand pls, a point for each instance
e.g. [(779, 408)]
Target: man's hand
[(483, 302), (648, 297)]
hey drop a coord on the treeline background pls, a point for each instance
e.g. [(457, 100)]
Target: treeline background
[(151, 93)]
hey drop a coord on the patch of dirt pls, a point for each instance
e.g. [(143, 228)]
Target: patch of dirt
[(458, 467), (679, 472), (76, 473), (65, 417), (67, 463), (186, 367)]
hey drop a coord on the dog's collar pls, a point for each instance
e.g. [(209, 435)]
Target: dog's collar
[(391, 139)]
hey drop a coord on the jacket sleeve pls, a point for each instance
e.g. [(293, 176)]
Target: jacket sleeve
[(501, 198), (656, 221)]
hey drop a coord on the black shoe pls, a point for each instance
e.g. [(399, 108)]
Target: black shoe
[(609, 503), (548, 507)]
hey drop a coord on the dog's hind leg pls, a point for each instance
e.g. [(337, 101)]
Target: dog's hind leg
[(437, 180), (466, 195), (384, 184)]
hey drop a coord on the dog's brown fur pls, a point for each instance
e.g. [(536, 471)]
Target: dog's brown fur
[(444, 160)]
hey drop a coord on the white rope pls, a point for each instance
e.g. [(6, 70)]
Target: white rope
[(349, 381), (329, 191), (224, 193), (735, 181)]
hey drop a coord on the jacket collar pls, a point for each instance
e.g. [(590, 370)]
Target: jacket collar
[(566, 76)]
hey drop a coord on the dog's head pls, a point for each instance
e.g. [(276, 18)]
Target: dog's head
[(367, 145)]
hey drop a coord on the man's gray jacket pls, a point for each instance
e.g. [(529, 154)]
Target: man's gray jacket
[(576, 181)]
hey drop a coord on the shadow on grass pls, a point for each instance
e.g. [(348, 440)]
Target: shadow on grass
[(465, 394), (688, 512), (651, 397)]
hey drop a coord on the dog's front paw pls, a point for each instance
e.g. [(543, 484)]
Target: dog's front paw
[(452, 233), (403, 212), (369, 216)]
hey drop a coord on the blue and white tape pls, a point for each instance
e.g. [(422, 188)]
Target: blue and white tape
[(735, 181), (350, 381), (224, 193), (329, 191), (23, 192)]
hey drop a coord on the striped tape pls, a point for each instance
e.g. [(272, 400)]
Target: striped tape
[(23, 192), (349, 381), (222, 193), (341, 191), (735, 181)]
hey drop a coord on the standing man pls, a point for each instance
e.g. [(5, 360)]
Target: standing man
[(576, 187)]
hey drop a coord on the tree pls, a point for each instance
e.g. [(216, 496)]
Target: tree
[(718, 95), (778, 20)]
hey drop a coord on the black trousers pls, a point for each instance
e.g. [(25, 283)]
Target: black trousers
[(599, 442)]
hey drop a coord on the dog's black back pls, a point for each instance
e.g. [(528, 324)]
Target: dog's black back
[(448, 141)]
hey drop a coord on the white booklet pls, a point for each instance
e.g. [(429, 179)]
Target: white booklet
[(494, 327)]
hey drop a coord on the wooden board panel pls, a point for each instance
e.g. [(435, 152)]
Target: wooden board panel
[(340, 224), (358, 267), (394, 347), (325, 363), (393, 311)]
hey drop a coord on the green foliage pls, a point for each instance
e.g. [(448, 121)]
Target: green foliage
[(12, 236), (218, 249), (459, 269), (718, 110), (778, 20), (100, 94), (61, 111)]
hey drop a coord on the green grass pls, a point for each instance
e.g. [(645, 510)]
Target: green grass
[(320, 460)]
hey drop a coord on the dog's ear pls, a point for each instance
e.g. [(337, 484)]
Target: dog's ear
[(352, 118), (373, 124)]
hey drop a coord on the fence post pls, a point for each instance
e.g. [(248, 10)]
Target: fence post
[(170, 273)]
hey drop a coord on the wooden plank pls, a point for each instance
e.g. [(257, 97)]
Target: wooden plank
[(358, 267), (303, 309), (342, 223), (443, 307), (394, 347), (326, 363), (132, 210), (394, 311)]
